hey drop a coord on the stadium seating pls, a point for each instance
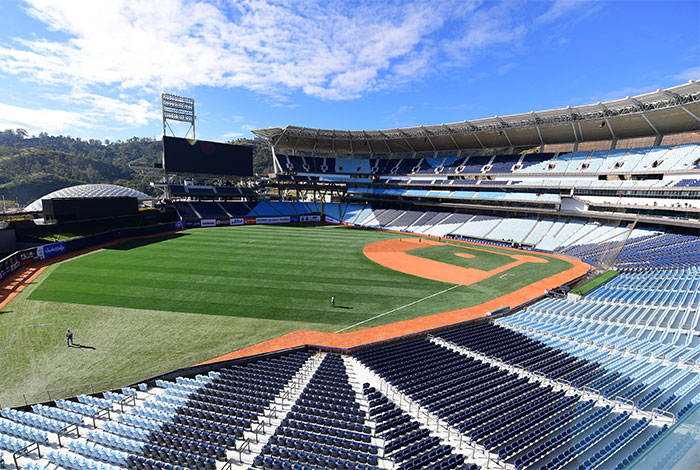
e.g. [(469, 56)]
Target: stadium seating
[(680, 157)]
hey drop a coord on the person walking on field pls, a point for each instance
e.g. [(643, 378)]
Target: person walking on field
[(69, 337), (332, 300)]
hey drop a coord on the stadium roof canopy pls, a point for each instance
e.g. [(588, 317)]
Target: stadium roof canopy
[(670, 111), (87, 191)]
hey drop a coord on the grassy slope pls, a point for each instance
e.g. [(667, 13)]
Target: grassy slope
[(138, 303)]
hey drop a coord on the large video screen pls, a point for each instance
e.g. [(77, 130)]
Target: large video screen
[(209, 158)]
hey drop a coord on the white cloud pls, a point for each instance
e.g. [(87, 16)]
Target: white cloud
[(326, 48), (505, 68), (559, 9), (139, 113), (692, 73), (261, 45), (40, 120), (112, 58)]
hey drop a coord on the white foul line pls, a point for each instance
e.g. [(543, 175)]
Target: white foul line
[(399, 308)]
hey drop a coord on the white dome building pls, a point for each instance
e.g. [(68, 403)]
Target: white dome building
[(87, 191)]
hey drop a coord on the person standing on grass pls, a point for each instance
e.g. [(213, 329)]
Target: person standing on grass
[(332, 300), (69, 337)]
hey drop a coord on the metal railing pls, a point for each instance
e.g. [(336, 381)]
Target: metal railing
[(30, 398)]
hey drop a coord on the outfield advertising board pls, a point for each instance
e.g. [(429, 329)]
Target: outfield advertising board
[(272, 220), (28, 255), (49, 251), (7, 270), (238, 221), (332, 220), (208, 223)]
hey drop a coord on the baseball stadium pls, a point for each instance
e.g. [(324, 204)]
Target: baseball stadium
[(514, 292)]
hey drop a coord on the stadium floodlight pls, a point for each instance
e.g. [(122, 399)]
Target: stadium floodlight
[(178, 108)]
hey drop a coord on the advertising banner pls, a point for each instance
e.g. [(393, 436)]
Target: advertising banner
[(273, 220), (180, 224), (28, 255), (249, 221), (295, 218), (332, 220), (208, 223), (49, 251), (310, 218), (6, 268), (236, 221)]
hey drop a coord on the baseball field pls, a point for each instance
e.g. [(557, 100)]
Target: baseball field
[(150, 305)]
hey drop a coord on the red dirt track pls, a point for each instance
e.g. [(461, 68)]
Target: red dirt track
[(394, 253)]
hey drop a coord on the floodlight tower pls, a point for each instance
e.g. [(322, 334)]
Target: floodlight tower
[(178, 108)]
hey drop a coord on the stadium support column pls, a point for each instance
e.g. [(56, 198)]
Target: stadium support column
[(275, 163)]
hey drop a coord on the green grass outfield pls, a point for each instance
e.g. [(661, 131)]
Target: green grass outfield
[(152, 305)]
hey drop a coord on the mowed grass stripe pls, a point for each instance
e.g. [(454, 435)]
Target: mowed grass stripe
[(226, 284), (237, 295), (190, 273), (253, 265)]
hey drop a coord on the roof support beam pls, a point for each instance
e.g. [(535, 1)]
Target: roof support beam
[(653, 127), (405, 138), (537, 128), (476, 136), (296, 142), (452, 138), (367, 142), (644, 115), (680, 101), (606, 110), (313, 150), (428, 138), (275, 163), (475, 129), (505, 133), (386, 141), (503, 130), (573, 128)]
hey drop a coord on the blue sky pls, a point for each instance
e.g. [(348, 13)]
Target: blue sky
[(96, 68)]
